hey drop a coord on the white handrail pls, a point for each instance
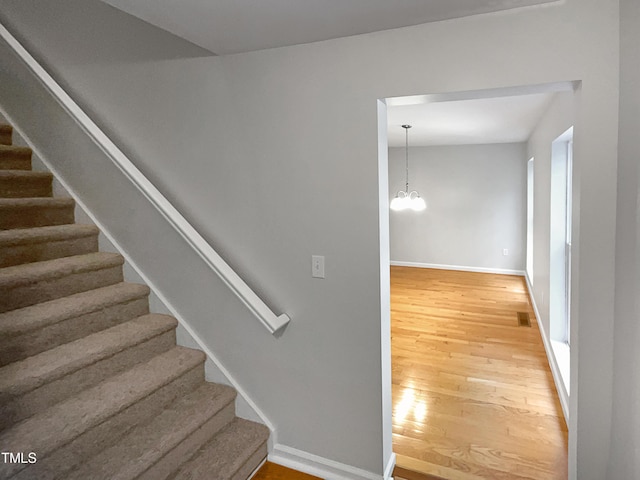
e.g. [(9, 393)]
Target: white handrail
[(270, 320)]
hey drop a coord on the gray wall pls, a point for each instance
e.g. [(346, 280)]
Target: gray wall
[(476, 206), (301, 122), (625, 438)]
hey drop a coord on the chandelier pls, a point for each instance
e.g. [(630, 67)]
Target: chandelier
[(404, 199)]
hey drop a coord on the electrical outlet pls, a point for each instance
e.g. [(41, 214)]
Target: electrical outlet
[(505, 251), (317, 266)]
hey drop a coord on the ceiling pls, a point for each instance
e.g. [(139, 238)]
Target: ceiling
[(233, 26), (503, 119)]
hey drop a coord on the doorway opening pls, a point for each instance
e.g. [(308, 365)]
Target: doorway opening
[(475, 242)]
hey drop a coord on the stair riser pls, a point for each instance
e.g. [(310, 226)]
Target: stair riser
[(23, 406), (182, 452), (251, 464), (65, 458), (5, 136), (39, 216), (23, 296), (12, 152), (25, 188), (19, 347), (38, 252), (15, 163)]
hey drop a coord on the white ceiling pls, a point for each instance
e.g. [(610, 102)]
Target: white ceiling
[(232, 26), (470, 121)]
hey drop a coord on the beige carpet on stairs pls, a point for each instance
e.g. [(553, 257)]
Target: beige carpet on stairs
[(93, 385)]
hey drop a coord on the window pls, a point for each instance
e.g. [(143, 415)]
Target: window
[(530, 220), (560, 251)]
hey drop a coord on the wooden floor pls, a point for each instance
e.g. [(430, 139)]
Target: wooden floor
[(473, 396), (271, 471)]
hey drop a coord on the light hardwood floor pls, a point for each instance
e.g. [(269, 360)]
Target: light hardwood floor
[(473, 394), (271, 471)]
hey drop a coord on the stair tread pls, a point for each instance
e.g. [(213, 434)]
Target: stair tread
[(61, 423), (36, 202), (28, 273), (226, 453), (148, 443), (32, 372), (24, 236), (28, 319)]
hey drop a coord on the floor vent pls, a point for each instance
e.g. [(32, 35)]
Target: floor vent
[(523, 319)]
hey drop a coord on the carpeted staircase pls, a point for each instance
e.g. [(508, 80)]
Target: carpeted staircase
[(91, 382)]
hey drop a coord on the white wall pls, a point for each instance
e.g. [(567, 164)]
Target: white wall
[(625, 436), (252, 131), (476, 206)]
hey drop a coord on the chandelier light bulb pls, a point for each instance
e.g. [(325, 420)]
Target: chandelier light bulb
[(417, 203), (400, 202)]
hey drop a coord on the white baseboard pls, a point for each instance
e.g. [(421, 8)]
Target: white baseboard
[(462, 268), (551, 357), (323, 467), (388, 472)]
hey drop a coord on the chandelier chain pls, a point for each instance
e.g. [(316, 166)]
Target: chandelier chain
[(406, 156)]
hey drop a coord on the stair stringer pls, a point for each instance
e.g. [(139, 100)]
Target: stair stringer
[(215, 371)]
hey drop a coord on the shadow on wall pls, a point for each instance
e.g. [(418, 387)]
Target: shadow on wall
[(131, 41)]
